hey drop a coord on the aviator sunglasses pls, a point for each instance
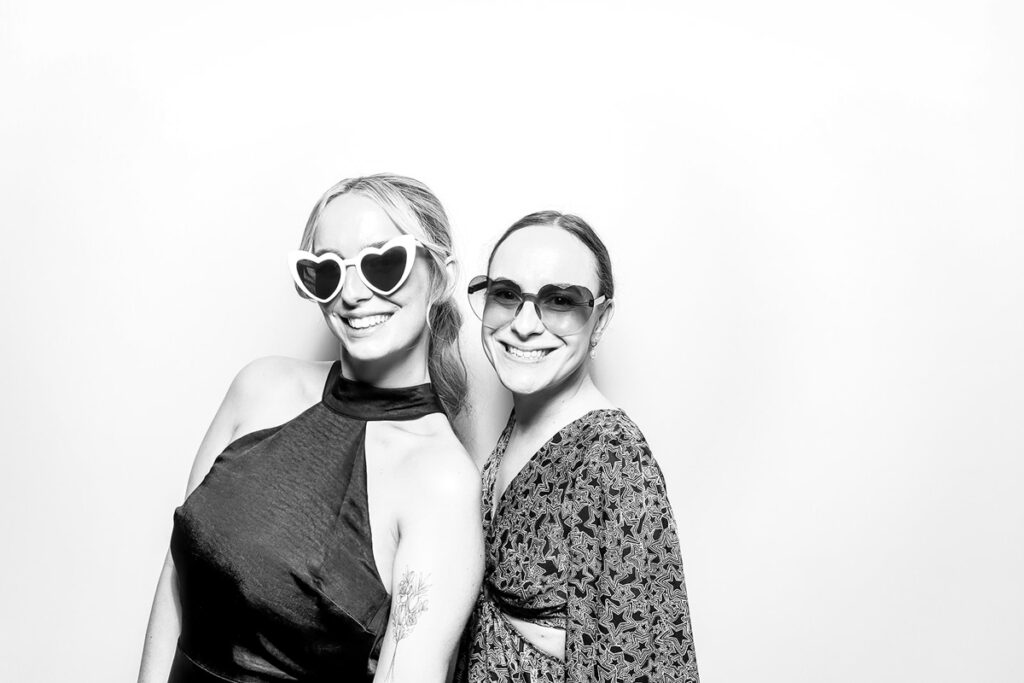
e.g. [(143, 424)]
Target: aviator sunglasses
[(563, 309), (382, 269)]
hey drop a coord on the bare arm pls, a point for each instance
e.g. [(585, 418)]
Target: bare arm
[(437, 571), (165, 615), (163, 629)]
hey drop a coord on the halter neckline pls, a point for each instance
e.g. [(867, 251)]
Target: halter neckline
[(368, 402)]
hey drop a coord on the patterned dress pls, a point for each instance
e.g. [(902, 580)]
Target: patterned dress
[(582, 539)]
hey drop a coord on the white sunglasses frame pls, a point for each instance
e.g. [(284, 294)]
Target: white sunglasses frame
[(407, 242)]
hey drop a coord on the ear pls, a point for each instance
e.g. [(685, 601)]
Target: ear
[(451, 272), (604, 317)]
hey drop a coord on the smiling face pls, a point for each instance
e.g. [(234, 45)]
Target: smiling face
[(528, 357), (372, 328)]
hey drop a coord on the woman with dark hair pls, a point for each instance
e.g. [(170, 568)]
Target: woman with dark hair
[(330, 529), (583, 579)]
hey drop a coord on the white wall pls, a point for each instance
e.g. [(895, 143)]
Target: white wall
[(815, 216)]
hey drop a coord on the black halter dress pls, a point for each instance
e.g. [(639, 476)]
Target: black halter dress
[(273, 550)]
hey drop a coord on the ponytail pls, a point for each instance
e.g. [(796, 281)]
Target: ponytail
[(444, 362)]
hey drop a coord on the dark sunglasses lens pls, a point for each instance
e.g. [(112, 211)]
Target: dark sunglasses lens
[(320, 279), (564, 299), (565, 310), (504, 295), (384, 271), (502, 301)]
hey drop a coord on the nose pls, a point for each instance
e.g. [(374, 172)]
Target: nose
[(354, 291), (527, 321)]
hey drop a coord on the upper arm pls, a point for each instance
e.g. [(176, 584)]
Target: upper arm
[(218, 435), (165, 616), (436, 573), (628, 613)]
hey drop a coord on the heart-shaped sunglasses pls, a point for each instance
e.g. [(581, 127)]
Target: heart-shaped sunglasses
[(382, 269)]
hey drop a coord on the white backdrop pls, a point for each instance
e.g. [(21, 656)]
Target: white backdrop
[(815, 217)]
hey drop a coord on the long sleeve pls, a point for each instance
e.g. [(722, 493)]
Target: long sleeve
[(628, 618)]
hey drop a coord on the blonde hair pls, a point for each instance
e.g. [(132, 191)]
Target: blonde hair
[(415, 210)]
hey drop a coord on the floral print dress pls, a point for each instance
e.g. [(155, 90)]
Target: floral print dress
[(583, 539)]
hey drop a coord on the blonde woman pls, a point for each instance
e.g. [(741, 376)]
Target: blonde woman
[(331, 528)]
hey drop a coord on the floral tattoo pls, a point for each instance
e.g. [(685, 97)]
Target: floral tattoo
[(408, 604)]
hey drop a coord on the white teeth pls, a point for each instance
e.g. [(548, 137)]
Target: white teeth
[(368, 321), (536, 354)]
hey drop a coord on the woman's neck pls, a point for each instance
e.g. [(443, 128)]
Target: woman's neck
[(559, 405)]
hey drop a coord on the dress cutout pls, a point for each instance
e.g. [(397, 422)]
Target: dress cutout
[(273, 551), (582, 539)]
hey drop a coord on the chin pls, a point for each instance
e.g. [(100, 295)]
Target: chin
[(366, 351), (523, 381), (391, 338), (524, 388)]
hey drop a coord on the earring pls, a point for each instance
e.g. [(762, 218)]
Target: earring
[(593, 349)]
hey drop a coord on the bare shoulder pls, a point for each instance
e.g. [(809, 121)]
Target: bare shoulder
[(277, 373), (438, 467), (265, 393), (273, 389)]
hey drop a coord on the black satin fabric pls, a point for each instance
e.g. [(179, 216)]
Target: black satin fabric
[(273, 549)]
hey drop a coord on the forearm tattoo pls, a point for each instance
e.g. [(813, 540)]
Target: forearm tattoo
[(409, 602)]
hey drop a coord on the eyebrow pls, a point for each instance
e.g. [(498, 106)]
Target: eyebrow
[(376, 245), (560, 285)]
